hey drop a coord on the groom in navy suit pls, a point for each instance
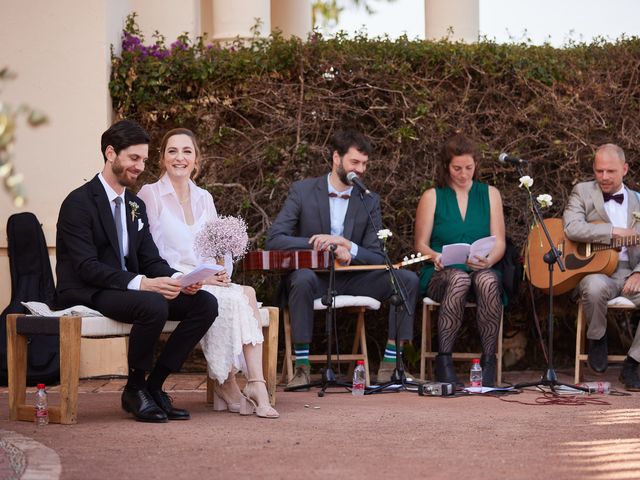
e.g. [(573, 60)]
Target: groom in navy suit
[(107, 260), (324, 211)]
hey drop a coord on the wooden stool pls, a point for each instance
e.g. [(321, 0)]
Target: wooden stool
[(618, 303), (427, 356), (354, 304)]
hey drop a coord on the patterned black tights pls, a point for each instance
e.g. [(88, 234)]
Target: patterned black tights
[(452, 288)]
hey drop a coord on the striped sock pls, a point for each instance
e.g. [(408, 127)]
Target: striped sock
[(390, 353), (302, 354)]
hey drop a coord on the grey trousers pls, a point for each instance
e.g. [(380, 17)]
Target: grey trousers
[(595, 290), (305, 285)]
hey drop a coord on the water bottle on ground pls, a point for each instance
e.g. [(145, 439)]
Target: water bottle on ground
[(597, 387), (475, 376), (42, 409), (359, 379)]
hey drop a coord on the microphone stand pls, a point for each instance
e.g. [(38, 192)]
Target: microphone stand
[(549, 379), (328, 376), (398, 300)]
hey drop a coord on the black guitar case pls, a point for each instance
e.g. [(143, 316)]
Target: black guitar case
[(31, 280)]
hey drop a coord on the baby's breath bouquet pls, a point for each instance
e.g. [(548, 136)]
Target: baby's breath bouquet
[(222, 236)]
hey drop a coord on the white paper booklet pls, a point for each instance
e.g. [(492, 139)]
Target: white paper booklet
[(457, 253), (199, 274)]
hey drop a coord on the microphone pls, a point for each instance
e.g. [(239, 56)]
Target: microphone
[(504, 158), (354, 179)]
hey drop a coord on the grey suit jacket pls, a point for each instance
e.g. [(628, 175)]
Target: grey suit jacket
[(586, 205), (306, 212)]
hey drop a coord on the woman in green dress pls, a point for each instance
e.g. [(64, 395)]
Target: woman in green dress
[(461, 210)]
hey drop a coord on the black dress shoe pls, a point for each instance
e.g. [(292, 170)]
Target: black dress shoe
[(598, 352), (139, 402), (629, 376), (164, 402), (489, 365)]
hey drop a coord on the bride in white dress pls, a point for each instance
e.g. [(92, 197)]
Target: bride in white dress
[(177, 210)]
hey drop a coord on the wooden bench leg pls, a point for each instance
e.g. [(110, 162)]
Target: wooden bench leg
[(287, 361), (423, 342), (577, 376), (16, 366), (270, 352)]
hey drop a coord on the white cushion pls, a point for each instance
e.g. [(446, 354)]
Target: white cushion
[(96, 325), (343, 301), (620, 302)]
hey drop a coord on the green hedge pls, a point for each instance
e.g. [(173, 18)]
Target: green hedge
[(265, 108)]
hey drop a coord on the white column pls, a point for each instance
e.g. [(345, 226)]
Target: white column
[(60, 52), (292, 17), (233, 18), (461, 16), (169, 17)]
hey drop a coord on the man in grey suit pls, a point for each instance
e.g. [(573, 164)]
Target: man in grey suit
[(324, 211), (608, 201)]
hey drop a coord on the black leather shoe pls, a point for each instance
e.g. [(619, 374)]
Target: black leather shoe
[(445, 371), (598, 352), (629, 376), (164, 402), (139, 402), (489, 365)]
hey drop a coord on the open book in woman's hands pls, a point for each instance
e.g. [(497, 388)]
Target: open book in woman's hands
[(458, 253), (199, 274)]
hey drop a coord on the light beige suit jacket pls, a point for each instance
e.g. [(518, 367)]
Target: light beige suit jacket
[(585, 206)]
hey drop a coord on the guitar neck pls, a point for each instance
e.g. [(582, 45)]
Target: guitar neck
[(630, 241)]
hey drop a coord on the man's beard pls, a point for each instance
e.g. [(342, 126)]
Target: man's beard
[(121, 174), (342, 174)]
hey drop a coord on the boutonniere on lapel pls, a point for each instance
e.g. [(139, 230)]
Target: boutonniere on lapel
[(383, 235), (134, 210), (636, 218)]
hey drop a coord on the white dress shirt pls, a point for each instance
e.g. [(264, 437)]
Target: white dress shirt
[(617, 213), (338, 210)]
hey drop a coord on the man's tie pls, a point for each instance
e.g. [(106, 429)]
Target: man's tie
[(346, 196), (618, 197), (117, 217)]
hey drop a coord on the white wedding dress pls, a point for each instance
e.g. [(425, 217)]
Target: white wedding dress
[(235, 324)]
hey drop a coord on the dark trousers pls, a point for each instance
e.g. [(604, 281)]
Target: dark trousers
[(148, 312), (304, 286)]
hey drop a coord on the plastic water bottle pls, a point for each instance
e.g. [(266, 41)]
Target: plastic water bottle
[(42, 409), (597, 387), (475, 376), (359, 379)]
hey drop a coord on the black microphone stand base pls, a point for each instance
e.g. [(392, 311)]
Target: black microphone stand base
[(550, 380), (397, 383)]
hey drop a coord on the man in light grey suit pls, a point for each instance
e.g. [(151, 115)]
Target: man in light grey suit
[(324, 211), (608, 201)]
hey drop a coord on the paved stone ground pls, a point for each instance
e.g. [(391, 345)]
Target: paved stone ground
[(398, 435)]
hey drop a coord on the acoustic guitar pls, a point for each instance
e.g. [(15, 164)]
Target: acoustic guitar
[(580, 258)]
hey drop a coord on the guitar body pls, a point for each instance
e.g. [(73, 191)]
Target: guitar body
[(579, 259)]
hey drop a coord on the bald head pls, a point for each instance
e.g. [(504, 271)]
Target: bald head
[(609, 167)]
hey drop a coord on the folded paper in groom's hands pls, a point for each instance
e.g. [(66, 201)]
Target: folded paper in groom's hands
[(199, 274)]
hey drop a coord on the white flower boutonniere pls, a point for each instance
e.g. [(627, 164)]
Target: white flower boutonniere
[(636, 218), (383, 235), (544, 200), (134, 210)]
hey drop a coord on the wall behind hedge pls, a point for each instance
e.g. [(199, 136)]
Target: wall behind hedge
[(265, 109)]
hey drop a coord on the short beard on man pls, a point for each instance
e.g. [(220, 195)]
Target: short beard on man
[(342, 173), (121, 174)]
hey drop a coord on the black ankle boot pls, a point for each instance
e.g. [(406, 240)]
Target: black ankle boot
[(488, 364), (445, 371)]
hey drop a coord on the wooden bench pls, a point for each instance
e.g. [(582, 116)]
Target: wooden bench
[(71, 329)]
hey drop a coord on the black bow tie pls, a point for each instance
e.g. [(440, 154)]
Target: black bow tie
[(346, 196), (618, 197)]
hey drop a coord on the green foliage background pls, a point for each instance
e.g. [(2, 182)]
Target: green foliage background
[(264, 110)]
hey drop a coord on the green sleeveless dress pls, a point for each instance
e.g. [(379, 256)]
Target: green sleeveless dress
[(448, 226)]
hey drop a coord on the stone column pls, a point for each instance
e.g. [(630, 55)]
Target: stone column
[(224, 20), (292, 17), (170, 17), (461, 16)]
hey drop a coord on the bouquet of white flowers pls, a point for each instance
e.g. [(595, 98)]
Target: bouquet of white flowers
[(224, 235)]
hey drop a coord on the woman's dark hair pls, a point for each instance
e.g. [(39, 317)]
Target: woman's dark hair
[(454, 147), (122, 135), (343, 140), (192, 136)]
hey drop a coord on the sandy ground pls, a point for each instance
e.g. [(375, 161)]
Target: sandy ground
[(399, 435)]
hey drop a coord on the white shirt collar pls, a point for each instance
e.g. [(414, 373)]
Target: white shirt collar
[(333, 190), (111, 193)]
